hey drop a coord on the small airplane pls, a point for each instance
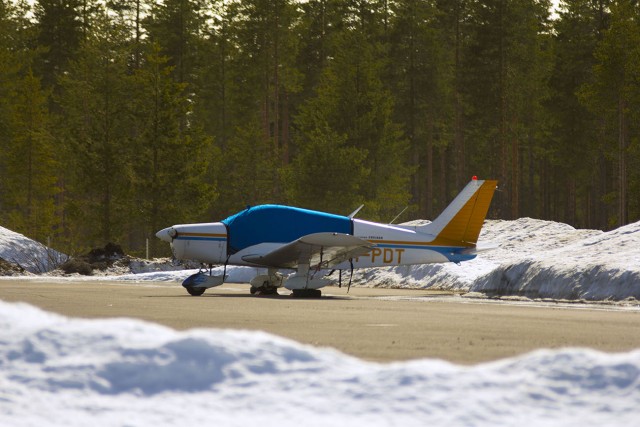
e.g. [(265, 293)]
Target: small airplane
[(288, 238)]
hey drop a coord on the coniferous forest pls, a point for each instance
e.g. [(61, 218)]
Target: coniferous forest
[(121, 117)]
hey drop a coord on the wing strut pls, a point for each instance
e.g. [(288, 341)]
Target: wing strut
[(351, 276), (224, 272), (320, 263)]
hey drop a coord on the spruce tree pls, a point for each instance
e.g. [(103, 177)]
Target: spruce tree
[(572, 156), (169, 174), (30, 163), (351, 101), (613, 96), (96, 105), (421, 84)]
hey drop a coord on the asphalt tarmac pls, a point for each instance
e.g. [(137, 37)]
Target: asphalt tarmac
[(373, 324)]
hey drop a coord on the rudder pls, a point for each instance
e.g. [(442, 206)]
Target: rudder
[(460, 223)]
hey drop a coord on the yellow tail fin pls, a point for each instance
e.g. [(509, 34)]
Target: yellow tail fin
[(460, 223)]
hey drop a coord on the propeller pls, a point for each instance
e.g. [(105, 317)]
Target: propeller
[(167, 234)]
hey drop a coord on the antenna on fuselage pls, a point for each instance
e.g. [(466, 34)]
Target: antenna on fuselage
[(396, 217), (354, 213)]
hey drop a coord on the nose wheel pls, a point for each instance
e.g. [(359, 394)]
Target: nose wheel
[(196, 292)]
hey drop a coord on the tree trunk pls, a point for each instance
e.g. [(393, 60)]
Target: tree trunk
[(106, 201), (622, 162), (502, 137), (276, 82), (429, 177), (411, 126), (515, 177), (285, 129), (530, 190), (458, 140), (571, 202)]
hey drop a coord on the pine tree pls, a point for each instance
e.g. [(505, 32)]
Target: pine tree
[(131, 14), (255, 47), (319, 23), (328, 173), (505, 79), (177, 26), (96, 104), (215, 79), (30, 163), (422, 87), (171, 160), (11, 65), (614, 97), (351, 102), (61, 27), (572, 157), (453, 21)]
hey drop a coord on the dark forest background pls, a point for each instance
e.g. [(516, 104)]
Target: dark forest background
[(119, 118)]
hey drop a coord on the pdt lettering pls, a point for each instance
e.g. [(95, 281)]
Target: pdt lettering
[(385, 255)]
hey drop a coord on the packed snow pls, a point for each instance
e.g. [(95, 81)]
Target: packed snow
[(536, 259), (533, 258), (57, 371), (120, 372), (33, 256)]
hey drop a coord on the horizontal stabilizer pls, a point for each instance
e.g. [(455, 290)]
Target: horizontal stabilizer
[(484, 247)]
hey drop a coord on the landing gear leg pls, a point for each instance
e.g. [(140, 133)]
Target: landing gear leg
[(304, 285)]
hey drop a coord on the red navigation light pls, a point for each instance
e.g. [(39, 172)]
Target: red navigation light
[(475, 178)]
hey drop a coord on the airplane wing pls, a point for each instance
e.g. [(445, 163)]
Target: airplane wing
[(323, 250)]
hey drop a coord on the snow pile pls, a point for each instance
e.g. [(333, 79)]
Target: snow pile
[(233, 273), (72, 372), (537, 259), (517, 241), (28, 254), (138, 265), (598, 266)]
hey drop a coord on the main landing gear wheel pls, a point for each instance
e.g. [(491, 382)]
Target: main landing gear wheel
[(306, 293), (196, 292), (265, 289)]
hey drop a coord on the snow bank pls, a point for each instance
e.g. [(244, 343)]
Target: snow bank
[(518, 241), (29, 254), (72, 372), (535, 258), (234, 274), (577, 264)]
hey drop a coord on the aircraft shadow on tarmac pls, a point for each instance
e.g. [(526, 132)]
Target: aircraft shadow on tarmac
[(242, 295)]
